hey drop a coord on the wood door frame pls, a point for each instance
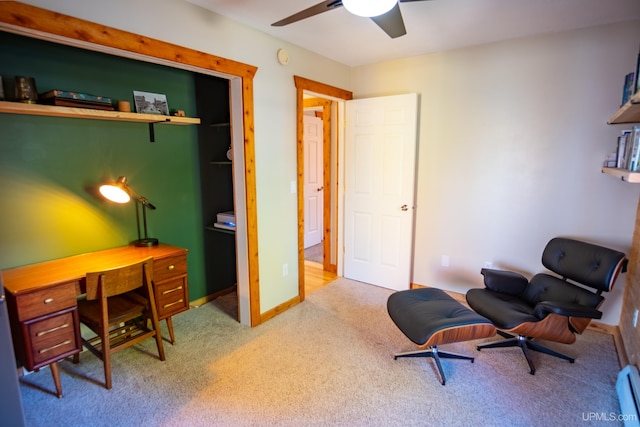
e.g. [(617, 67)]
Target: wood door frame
[(31, 21), (325, 105), (321, 89)]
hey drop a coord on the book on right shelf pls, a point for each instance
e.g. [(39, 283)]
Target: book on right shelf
[(632, 162), (629, 88)]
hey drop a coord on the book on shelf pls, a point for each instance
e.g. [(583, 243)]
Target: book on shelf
[(633, 162), (621, 151), (629, 88), (636, 80), (77, 104), (65, 94)]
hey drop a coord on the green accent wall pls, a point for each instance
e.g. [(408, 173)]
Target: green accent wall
[(50, 167)]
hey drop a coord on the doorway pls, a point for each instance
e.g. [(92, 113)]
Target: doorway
[(311, 94)]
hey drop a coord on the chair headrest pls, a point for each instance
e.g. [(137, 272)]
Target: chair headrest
[(591, 265)]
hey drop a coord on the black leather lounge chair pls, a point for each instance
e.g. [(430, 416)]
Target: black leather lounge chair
[(548, 307)]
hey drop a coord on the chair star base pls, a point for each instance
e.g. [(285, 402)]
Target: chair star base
[(525, 345), (436, 356)]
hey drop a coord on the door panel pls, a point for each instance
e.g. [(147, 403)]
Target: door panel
[(380, 150), (313, 181)]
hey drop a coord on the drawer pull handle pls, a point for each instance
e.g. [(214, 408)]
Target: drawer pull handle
[(168, 291), (171, 267), (53, 347), (48, 331), (173, 303), (48, 301)]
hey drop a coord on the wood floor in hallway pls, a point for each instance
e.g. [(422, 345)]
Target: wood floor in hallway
[(315, 277)]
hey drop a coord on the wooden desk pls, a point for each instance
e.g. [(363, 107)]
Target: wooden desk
[(42, 299)]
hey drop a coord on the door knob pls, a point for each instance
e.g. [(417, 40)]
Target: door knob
[(404, 207), (321, 188)]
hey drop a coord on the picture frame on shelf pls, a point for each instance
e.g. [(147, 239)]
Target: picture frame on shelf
[(150, 103)]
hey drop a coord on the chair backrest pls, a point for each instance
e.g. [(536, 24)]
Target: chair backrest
[(119, 280), (594, 266)]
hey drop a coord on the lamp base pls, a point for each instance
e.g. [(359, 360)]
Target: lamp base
[(149, 241)]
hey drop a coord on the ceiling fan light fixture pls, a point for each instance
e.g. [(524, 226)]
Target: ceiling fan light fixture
[(369, 8)]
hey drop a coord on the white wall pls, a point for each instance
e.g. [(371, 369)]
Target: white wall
[(512, 138), (184, 24)]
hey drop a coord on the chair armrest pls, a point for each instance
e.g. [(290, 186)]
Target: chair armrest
[(504, 282), (565, 309)]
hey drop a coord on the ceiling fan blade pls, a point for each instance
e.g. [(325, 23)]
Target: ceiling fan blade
[(309, 12), (391, 22)]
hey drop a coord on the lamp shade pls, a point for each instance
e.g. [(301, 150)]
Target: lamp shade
[(120, 192), (117, 191), (369, 8)]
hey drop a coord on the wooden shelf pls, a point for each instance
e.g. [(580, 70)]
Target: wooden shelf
[(623, 174), (86, 113), (628, 113), (220, 230)]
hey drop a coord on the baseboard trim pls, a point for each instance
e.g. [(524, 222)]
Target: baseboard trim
[(269, 314), (200, 301)]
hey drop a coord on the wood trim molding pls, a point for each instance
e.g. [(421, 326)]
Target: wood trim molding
[(31, 21), (321, 88), (301, 85), (269, 314), (41, 23), (325, 104)]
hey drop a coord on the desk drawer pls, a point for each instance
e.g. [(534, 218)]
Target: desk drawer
[(172, 296), (169, 267), (46, 301), (51, 338)]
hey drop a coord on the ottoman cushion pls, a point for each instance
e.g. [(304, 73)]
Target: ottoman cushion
[(420, 313)]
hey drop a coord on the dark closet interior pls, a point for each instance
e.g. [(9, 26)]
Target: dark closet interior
[(216, 182)]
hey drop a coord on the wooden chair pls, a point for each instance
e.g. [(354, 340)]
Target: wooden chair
[(117, 308)]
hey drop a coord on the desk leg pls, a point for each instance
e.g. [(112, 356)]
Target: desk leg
[(170, 327), (55, 372)]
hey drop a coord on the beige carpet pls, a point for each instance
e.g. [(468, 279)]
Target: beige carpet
[(325, 362)]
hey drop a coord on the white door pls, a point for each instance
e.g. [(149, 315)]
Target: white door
[(313, 181), (380, 153)]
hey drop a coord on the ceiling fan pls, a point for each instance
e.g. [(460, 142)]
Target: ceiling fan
[(385, 13)]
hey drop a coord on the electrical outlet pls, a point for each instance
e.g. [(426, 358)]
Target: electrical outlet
[(488, 264), (445, 260), (635, 318), (285, 270)]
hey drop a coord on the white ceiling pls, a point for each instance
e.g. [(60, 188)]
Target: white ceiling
[(432, 26)]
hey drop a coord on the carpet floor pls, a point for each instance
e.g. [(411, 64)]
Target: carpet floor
[(325, 362)]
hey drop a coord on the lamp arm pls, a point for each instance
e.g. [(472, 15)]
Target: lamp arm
[(143, 200)]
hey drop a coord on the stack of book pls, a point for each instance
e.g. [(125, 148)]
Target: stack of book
[(65, 98), (628, 150)]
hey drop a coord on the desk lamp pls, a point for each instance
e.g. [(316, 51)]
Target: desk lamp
[(120, 192)]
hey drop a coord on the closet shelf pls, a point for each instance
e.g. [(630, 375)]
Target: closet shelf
[(86, 113)]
